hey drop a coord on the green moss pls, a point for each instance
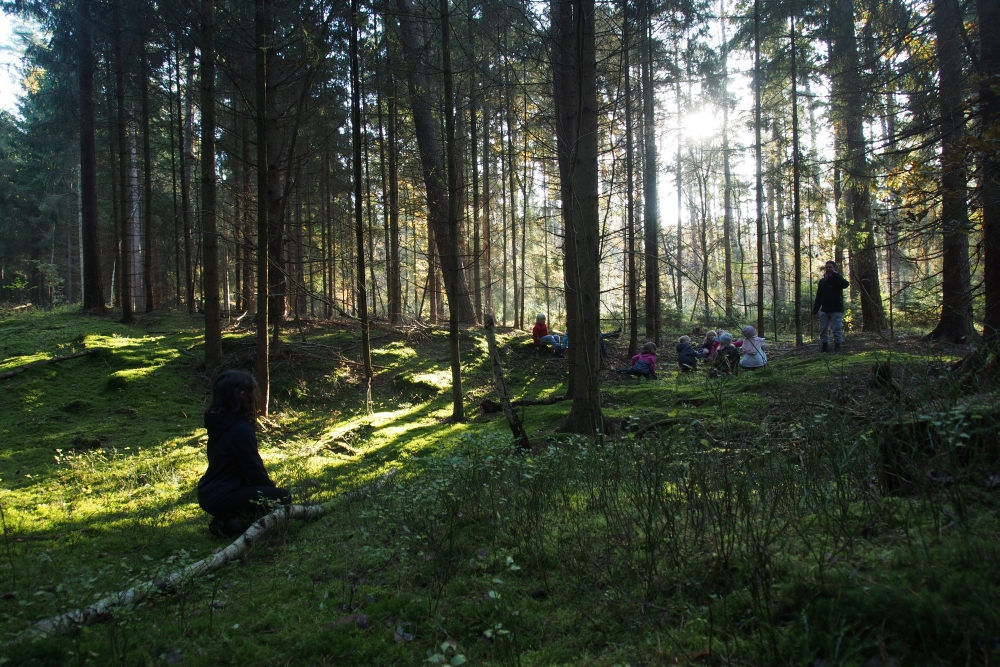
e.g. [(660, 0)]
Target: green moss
[(99, 491)]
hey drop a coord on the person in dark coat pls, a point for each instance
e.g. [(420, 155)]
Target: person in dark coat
[(687, 357), (829, 304), (236, 489)]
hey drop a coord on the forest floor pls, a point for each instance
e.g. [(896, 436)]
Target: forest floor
[(740, 521)]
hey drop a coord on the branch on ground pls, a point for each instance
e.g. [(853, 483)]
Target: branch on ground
[(54, 360), (103, 609)]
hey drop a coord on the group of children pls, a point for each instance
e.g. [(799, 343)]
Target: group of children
[(724, 354), (719, 349)]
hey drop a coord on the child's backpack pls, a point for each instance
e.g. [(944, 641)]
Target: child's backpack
[(641, 365)]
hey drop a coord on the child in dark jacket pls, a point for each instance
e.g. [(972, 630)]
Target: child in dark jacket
[(727, 357), (235, 489), (644, 363), (687, 358)]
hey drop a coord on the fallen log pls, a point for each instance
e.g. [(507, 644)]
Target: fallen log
[(492, 406), (516, 427), (54, 360), (104, 608)]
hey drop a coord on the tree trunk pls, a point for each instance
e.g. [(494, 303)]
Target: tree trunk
[(796, 204), (278, 286), (431, 163), (487, 245), (262, 38), (125, 252), (989, 161), (93, 282), (186, 213), (359, 224), (727, 221), (759, 174), (575, 96), (209, 239), (477, 285), (633, 308), (458, 411), (956, 303), (147, 190), (848, 109), (650, 201)]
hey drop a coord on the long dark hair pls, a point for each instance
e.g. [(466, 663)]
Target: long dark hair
[(235, 393)]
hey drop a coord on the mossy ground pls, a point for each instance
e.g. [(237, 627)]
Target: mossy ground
[(752, 533)]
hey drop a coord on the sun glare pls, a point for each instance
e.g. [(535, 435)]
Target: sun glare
[(702, 123)]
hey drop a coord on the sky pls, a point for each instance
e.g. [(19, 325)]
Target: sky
[(11, 51)]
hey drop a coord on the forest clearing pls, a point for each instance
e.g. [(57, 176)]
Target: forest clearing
[(752, 526)]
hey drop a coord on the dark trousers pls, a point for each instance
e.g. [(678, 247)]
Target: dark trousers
[(649, 375), (250, 502)]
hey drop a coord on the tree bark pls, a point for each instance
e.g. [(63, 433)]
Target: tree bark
[(124, 157), (650, 201), (487, 241), (727, 220), (93, 282), (956, 303), (477, 285), (575, 96), (796, 204), (759, 180), (458, 410), (989, 161), (848, 109), (633, 307), (359, 225), (185, 164), (262, 38), (209, 238), (431, 163), (147, 190)]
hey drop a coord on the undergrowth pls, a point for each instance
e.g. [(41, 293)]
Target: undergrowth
[(752, 527)]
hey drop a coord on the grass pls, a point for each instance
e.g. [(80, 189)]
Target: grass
[(753, 532)]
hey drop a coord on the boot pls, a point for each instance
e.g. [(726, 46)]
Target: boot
[(836, 347), (826, 347)]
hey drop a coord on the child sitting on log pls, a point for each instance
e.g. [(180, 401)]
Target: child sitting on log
[(235, 489), (644, 363), (727, 357), (687, 358)]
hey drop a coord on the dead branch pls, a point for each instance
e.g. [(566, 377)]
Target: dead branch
[(104, 608), (516, 427), (492, 406), (53, 360)]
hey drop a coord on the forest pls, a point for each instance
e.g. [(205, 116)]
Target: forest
[(571, 333)]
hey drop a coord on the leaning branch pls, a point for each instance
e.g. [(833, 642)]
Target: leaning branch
[(54, 360), (516, 427)]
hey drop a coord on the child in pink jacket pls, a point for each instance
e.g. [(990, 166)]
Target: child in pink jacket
[(644, 363)]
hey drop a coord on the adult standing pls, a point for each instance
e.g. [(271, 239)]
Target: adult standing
[(829, 305)]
